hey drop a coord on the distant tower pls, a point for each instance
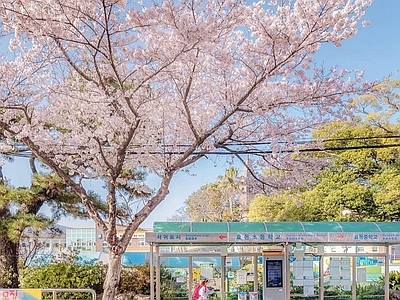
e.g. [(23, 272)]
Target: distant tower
[(246, 190)]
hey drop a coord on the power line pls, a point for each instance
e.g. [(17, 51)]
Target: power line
[(301, 142), (27, 153)]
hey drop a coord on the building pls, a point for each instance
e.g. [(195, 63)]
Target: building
[(136, 244), (38, 247), (41, 245), (82, 239)]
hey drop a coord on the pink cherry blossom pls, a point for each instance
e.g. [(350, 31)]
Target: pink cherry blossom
[(93, 88)]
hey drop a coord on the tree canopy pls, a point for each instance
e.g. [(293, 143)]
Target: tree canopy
[(218, 201), (20, 209), (96, 89), (360, 181)]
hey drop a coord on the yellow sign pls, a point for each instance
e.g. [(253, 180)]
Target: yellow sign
[(20, 294), (196, 274)]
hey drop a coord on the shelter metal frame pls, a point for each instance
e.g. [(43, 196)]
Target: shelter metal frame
[(224, 234)]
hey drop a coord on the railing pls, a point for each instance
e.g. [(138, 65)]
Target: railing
[(56, 291)]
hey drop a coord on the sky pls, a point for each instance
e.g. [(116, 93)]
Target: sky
[(375, 50)]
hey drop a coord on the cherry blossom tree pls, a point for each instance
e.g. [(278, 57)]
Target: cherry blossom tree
[(98, 89)]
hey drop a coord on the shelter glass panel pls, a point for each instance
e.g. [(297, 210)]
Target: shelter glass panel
[(387, 226), (246, 227), (284, 227), (209, 227), (359, 227), (321, 227), (171, 226)]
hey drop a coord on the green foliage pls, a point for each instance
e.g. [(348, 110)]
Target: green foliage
[(27, 201), (7, 275), (68, 273), (19, 209), (356, 185), (63, 200), (370, 291), (76, 274), (394, 280), (217, 201), (16, 224), (281, 206), (135, 279), (231, 296), (361, 178), (170, 288)]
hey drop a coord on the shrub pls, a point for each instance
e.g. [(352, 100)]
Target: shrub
[(135, 279), (65, 274), (394, 280), (73, 274)]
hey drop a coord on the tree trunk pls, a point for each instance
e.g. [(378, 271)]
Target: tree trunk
[(113, 276), (8, 263)]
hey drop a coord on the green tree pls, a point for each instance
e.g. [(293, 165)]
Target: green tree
[(208, 204), (360, 181), (19, 209), (217, 201), (281, 206), (356, 185), (69, 272)]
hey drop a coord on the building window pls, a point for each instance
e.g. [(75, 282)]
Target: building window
[(142, 243), (374, 249), (360, 249)]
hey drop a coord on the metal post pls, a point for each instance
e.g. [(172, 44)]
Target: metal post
[(158, 273), (354, 278), (223, 277), (151, 263), (321, 277), (255, 268), (190, 283), (287, 271), (387, 273)]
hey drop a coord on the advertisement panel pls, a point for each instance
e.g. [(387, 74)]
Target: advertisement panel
[(20, 294)]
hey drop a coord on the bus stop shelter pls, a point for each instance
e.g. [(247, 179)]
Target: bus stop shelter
[(288, 235)]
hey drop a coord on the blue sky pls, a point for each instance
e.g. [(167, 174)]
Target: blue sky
[(375, 50)]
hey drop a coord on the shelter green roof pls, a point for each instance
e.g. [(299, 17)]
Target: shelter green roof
[(212, 227)]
